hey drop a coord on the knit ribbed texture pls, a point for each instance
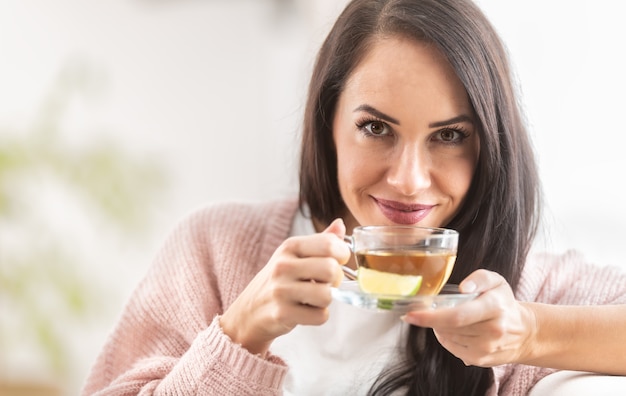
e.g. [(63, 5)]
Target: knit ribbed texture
[(168, 340), (566, 279)]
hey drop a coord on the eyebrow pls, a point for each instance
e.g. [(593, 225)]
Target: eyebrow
[(377, 113), (453, 120), (388, 118)]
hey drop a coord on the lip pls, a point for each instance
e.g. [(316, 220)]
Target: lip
[(403, 213)]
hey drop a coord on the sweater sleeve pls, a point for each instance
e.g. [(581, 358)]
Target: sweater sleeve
[(569, 279), (564, 279), (168, 340)]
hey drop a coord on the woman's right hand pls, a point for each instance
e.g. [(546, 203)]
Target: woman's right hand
[(292, 289)]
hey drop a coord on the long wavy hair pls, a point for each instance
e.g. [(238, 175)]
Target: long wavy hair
[(499, 217)]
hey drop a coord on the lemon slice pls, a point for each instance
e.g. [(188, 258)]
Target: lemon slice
[(377, 282)]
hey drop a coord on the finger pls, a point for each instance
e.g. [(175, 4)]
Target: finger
[(480, 281), (305, 293), (318, 245), (450, 341), (314, 295), (461, 348), (337, 227), (448, 318), (457, 338), (320, 270), (473, 350), (467, 314), (495, 292)]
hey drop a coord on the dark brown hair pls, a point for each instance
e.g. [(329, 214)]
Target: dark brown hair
[(499, 217)]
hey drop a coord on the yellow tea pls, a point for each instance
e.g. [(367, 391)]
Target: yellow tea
[(435, 266)]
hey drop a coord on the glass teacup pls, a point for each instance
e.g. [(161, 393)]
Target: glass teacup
[(403, 260)]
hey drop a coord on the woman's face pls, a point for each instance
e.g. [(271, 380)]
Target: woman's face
[(406, 139)]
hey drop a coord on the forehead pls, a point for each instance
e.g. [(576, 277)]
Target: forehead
[(395, 66)]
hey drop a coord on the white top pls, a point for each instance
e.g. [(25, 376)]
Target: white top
[(344, 355)]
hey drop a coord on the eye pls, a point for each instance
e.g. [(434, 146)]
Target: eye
[(374, 128), (447, 135), (451, 135)]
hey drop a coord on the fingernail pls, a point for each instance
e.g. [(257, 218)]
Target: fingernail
[(468, 287)]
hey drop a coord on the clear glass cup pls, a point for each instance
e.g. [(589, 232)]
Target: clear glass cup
[(408, 251)]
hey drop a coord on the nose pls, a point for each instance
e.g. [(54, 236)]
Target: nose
[(409, 170)]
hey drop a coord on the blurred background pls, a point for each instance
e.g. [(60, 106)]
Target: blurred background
[(119, 117)]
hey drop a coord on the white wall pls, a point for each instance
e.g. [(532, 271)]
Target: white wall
[(570, 63), (215, 90)]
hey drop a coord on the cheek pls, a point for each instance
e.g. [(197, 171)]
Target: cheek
[(464, 182), (348, 169), (461, 171), (356, 171), (457, 179)]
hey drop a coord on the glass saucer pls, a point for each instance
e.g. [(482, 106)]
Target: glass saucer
[(348, 292)]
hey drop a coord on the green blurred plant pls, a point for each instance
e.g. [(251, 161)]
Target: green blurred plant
[(42, 281)]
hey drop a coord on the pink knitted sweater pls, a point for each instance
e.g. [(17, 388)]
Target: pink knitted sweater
[(168, 340)]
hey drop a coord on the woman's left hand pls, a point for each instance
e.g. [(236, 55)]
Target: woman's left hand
[(490, 330)]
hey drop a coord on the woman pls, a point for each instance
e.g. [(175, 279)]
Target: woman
[(411, 119)]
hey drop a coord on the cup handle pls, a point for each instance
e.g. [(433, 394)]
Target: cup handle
[(349, 239), (349, 272)]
